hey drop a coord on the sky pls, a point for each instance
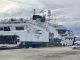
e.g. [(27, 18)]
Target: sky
[(67, 12)]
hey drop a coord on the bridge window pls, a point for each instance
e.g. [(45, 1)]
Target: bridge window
[(6, 28), (19, 28), (61, 31), (9, 39), (1, 28)]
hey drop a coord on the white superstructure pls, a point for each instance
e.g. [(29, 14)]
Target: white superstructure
[(37, 31)]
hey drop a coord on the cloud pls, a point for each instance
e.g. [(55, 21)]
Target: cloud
[(67, 12), (18, 8)]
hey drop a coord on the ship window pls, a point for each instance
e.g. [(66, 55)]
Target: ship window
[(9, 39), (19, 28), (43, 19), (1, 28), (61, 31), (6, 28), (38, 32)]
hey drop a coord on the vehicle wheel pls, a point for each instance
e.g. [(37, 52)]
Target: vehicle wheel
[(74, 47)]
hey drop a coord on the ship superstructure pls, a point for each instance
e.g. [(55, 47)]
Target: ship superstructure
[(34, 32), (67, 35)]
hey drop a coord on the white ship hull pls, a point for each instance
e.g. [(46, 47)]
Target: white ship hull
[(29, 37)]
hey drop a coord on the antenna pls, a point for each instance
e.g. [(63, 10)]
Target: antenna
[(34, 11)]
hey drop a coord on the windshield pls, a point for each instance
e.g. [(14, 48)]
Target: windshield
[(77, 44)]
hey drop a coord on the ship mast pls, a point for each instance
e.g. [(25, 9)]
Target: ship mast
[(34, 11), (54, 18), (49, 14)]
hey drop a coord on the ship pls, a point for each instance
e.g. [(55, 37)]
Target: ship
[(38, 31)]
